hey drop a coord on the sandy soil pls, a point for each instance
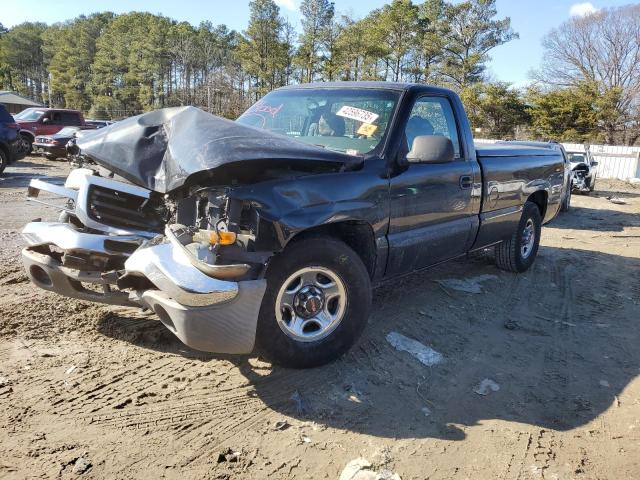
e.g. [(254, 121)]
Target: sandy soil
[(109, 393)]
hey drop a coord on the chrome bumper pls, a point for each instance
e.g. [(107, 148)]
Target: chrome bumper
[(204, 313)]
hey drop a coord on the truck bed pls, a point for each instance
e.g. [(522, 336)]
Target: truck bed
[(511, 173)]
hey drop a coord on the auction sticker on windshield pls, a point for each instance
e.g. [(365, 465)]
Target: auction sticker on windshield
[(358, 114), (367, 129)]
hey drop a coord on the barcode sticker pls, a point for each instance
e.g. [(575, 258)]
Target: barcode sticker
[(357, 114)]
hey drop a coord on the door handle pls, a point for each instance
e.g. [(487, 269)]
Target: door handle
[(466, 182)]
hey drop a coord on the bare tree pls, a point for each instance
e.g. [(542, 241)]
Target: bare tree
[(602, 48)]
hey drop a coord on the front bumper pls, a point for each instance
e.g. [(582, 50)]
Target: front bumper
[(49, 150), (581, 183), (204, 313)]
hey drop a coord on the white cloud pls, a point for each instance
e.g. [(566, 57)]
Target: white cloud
[(582, 9), (288, 4)]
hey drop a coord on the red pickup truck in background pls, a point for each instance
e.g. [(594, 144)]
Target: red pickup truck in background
[(44, 121)]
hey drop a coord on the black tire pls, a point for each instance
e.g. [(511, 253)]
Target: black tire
[(340, 260), (566, 202), (509, 254), (4, 160), (27, 144)]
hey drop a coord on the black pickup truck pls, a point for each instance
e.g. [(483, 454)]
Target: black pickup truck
[(269, 232)]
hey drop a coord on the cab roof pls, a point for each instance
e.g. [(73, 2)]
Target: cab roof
[(375, 85)]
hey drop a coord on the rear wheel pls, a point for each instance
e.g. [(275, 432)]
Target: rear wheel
[(566, 201), (316, 304), (25, 145), (518, 253), (4, 160)]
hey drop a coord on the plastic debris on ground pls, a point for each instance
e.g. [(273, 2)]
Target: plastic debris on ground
[(281, 425), (467, 285), (426, 355), (228, 455), (617, 200), (81, 466), (361, 469), (486, 387), (426, 411)]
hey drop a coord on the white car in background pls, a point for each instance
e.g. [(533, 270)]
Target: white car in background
[(583, 169)]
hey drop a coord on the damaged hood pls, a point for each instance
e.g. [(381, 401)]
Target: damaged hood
[(172, 147)]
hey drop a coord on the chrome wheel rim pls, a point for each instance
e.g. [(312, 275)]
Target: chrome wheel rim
[(528, 239), (311, 304)]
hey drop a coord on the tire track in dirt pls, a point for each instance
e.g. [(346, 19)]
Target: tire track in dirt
[(204, 404)]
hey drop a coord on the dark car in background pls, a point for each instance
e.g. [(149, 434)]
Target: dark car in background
[(98, 123), (9, 139), (55, 146), (37, 121)]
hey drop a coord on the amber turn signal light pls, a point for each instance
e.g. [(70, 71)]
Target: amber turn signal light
[(215, 238)]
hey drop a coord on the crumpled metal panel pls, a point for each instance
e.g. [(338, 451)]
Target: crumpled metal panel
[(164, 149)]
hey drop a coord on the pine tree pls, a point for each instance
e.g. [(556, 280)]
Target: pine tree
[(317, 23)]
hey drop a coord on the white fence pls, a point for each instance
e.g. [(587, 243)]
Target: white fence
[(613, 161)]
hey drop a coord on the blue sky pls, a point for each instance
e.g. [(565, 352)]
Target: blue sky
[(510, 63)]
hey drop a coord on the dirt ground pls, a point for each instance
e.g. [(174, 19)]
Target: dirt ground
[(109, 393)]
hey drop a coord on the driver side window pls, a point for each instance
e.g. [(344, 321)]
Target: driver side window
[(432, 116), (56, 118)]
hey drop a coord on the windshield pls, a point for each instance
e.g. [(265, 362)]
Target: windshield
[(346, 120), (29, 115), (576, 157), (68, 131)]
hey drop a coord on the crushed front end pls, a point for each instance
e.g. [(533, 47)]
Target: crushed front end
[(190, 257), (581, 177)]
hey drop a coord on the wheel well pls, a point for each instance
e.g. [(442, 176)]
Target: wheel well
[(27, 133), (540, 199), (358, 235)]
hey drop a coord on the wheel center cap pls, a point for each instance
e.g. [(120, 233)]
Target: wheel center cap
[(308, 301)]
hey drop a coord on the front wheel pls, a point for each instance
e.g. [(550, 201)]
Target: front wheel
[(316, 304), (517, 253)]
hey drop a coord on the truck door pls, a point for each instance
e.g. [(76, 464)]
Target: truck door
[(53, 125), (432, 218)]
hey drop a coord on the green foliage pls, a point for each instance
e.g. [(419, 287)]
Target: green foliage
[(494, 109), (263, 54), (99, 113), (118, 65), (599, 53), (471, 31), (316, 38), (576, 113), (131, 62), (22, 60), (70, 49), (399, 24)]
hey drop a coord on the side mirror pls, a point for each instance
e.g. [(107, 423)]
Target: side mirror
[(594, 164), (431, 149)]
